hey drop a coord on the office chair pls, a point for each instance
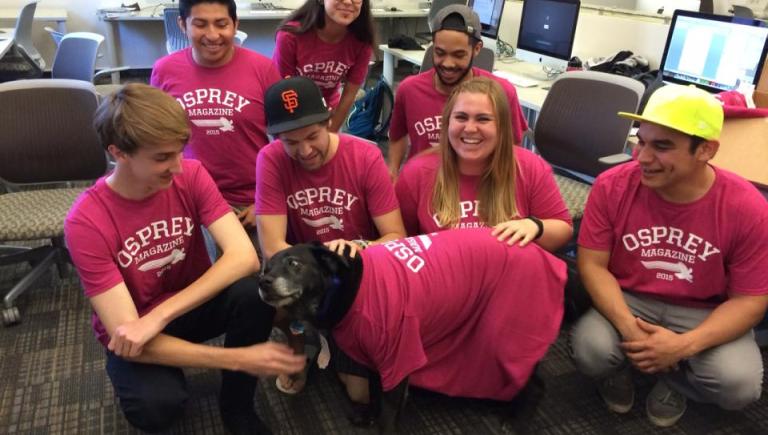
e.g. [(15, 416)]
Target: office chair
[(23, 33), (484, 60), (54, 34), (48, 141), (176, 40), (742, 11), (76, 59), (16, 64), (578, 132)]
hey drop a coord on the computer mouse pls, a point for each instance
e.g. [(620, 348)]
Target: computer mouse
[(392, 9)]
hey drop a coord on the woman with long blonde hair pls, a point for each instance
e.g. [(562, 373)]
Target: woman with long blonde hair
[(477, 177)]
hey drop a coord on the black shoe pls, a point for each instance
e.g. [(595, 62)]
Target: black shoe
[(244, 423)]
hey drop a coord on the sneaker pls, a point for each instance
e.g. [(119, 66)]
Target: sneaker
[(664, 405), (618, 391)]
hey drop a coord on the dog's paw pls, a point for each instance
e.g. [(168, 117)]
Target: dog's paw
[(361, 415)]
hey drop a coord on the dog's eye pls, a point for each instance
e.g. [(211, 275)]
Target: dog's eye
[(294, 263)]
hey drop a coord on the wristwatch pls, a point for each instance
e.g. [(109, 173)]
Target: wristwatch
[(539, 224)]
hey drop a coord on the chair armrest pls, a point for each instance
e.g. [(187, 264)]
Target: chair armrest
[(615, 159), (109, 71)]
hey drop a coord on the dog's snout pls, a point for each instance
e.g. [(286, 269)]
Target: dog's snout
[(266, 281)]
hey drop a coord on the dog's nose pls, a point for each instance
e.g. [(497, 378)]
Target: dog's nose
[(266, 281)]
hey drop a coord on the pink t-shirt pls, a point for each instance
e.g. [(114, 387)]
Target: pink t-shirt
[(154, 245), (692, 254), (536, 193), (225, 106), (338, 200), (328, 65), (419, 107), (460, 312)]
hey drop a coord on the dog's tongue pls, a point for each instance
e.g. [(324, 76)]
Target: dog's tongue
[(325, 353)]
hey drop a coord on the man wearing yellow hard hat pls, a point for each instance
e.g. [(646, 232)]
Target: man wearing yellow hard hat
[(672, 252)]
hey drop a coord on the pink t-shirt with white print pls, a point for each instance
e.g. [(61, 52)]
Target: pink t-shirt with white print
[(338, 200), (460, 312), (327, 64), (153, 245), (419, 107), (225, 106), (694, 254), (536, 193)]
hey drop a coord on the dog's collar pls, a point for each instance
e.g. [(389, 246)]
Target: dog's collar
[(325, 305)]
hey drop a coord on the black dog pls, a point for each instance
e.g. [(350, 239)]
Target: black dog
[(455, 312)]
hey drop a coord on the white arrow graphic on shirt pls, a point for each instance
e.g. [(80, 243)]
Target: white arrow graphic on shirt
[(333, 221), (680, 269), (174, 257), (223, 123)]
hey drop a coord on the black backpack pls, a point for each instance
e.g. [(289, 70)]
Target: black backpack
[(369, 117)]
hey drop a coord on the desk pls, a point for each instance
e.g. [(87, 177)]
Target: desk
[(59, 16), (144, 28), (530, 98), (6, 39)]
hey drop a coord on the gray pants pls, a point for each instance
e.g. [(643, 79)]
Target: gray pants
[(729, 375)]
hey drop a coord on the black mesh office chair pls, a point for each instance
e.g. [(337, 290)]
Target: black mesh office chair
[(48, 141)]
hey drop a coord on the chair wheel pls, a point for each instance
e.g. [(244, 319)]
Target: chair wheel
[(11, 316)]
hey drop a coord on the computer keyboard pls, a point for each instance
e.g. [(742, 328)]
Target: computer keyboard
[(263, 6), (516, 79)]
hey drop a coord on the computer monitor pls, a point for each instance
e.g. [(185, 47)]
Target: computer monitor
[(547, 28), (489, 12), (714, 52)]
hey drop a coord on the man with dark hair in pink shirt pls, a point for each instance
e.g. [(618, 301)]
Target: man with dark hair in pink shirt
[(416, 117)]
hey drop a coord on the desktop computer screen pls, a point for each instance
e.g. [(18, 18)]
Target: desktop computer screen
[(547, 28), (714, 52), (489, 12)]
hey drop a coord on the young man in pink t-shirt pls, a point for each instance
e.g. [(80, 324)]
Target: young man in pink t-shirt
[(672, 252), (135, 238), (221, 86), (419, 101), (312, 184)]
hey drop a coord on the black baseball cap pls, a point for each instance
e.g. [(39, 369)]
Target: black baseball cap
[(293, 103)]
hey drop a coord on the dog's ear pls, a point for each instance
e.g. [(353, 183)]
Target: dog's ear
[(330, 261)]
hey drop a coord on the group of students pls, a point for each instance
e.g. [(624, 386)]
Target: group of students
[(669, 247)]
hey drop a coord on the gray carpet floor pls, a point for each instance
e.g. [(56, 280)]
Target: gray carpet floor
[(52, 380)]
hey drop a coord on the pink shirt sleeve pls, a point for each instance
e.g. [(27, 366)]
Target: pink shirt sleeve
[(397, 125), (379, 191), (211, 204), (596, 231), (545, 201), (270, 192), (748, 266), (91, 255), (284, 56), (359, 70), (407, 188)]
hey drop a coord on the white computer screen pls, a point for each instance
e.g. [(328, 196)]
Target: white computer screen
[(714, 52), (490, 12)]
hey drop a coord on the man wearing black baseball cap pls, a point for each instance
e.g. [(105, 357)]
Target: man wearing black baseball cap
[(416, 117), (312, 184)]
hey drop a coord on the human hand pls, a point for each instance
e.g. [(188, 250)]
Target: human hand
[(659, 351), (246, 217), (129, 339), (522, 230), (269, 359), (338, 246)]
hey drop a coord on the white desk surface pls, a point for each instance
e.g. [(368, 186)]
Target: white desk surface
[(531, 98), (6, 39), (156, 14), (43, 14)]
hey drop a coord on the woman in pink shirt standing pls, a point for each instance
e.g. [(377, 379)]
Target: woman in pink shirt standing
[(330, 42)]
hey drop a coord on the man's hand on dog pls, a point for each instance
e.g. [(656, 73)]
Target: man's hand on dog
[(338, 246), (270, 359), (129, 339), (516, 230)]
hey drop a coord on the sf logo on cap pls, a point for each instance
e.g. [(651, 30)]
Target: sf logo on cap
[(290, 100)]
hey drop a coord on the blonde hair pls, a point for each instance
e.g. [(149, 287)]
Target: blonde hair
[(496, 190), (140, 115)]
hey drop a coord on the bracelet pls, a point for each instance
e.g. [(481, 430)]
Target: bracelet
[(539, 224), (362, 244)]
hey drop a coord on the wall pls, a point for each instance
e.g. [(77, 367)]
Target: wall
[(596, 35), (601, 35)]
